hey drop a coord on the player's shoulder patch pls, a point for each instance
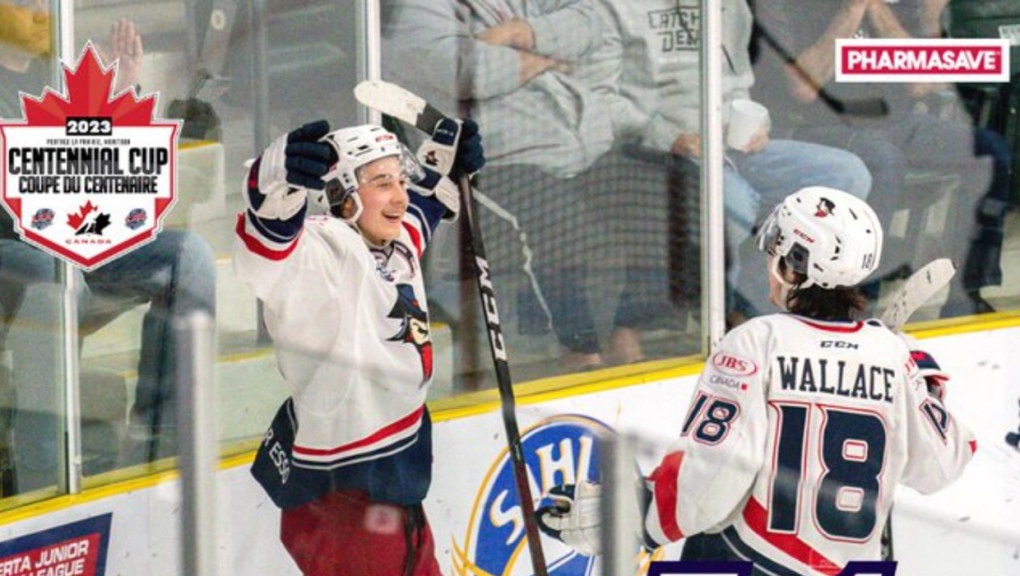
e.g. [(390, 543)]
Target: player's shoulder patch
[(733, 364)]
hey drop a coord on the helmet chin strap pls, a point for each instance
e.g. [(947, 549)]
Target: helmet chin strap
[(358, 209), (352, 221), (784, 286)]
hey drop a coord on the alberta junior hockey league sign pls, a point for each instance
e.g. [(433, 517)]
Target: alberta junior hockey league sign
[(88, 175), (75, 549)]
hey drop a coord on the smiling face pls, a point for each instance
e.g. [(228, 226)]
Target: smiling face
[(382, 188)]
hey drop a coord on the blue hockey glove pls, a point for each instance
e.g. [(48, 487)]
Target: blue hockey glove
[(470, 153), (573, 517), (279, 179)]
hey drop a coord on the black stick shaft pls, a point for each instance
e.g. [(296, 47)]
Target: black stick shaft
[(487, 293)]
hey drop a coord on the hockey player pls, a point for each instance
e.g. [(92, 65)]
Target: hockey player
[(803, 422), (331, 242)]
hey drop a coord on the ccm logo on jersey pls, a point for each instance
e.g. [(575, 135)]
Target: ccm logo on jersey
[(734, 365), (839, 344)]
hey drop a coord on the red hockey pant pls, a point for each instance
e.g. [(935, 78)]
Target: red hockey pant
[(346, 534)]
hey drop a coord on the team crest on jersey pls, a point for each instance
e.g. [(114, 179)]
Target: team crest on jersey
[(390, 268), (414, 327), (824, 208), (559, 450)]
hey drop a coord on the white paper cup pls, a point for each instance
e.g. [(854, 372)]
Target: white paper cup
[(747, 118)]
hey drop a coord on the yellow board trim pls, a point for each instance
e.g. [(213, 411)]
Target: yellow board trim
[(463, 406)]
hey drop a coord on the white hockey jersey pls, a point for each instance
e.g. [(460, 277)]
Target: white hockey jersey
[(794, 442), (351, 332)]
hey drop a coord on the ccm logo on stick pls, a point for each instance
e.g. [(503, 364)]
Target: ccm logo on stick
[(734, 365)]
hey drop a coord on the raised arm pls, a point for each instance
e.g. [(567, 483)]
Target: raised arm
[(815, 66), (276, 194)]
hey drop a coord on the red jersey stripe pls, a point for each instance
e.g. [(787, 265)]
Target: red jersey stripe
[(757, 516), (380, 435), (665, 479), (253, 245), (415, 237), (843, 328)]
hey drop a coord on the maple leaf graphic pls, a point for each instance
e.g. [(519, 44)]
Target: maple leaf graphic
[(87, 93), (76, 220)]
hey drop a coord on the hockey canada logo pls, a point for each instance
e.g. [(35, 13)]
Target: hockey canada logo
[(89, 221), (922, 60), (559, 450), (93, 159)]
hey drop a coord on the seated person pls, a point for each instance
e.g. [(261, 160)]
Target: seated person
[(660, 75), (549, 137), (798, 39)]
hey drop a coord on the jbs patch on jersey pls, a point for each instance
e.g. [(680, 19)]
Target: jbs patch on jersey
[(734, 365)]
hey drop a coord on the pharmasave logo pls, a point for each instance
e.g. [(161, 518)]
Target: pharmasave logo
[(559, 450), (88, 175), (922, 60)]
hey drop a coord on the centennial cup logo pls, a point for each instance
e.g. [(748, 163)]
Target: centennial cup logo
[(559, 450), (88, 175), (922, 60)]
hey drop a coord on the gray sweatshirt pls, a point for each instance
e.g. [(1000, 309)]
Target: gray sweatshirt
[(660, 75), (560, 122)]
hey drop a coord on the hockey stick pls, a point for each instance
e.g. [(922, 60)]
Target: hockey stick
[(401, 104), (867, 108), (917, 290)]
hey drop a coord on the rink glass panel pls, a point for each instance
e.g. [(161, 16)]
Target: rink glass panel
[(623, 216)]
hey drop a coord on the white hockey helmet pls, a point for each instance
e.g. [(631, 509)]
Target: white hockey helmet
[(831, 237), (356, 147)]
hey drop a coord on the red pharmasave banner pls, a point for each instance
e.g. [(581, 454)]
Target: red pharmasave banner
[(918, 60)]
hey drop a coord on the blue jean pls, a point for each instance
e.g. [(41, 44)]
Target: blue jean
[(175, 274), (754, 183)]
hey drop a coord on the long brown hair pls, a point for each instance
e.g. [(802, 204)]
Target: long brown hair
[(839, 304)]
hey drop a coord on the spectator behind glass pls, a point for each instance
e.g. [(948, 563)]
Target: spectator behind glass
[(540, 80), (174, 274), (894, 137), (660, 75)]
